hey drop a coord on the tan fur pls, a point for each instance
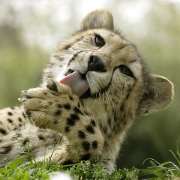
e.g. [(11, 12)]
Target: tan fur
[(97, 19), (92, 126)]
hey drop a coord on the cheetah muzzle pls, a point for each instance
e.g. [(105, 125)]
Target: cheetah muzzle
[(93, 87)]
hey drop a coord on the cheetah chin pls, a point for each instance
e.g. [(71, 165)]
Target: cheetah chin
[(93, 87)]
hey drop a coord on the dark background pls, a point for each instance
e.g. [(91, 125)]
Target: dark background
[(30, 31)]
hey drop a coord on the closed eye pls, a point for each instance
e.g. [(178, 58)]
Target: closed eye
[(126, 71)]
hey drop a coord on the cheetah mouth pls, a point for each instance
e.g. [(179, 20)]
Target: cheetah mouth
[(76, 81), (79, 84)]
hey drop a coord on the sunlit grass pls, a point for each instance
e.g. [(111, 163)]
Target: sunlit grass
[(82, 170), (166, 170), (85, 170)]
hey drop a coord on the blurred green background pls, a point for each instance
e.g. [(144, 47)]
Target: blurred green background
[(30, 31)]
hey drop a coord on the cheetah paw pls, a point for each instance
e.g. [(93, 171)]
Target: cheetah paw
[(47, 106)]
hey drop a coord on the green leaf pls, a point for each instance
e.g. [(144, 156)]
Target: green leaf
[(4, 171), (16, 163), (175, 156)]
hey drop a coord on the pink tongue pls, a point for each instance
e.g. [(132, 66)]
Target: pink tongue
[(78, 85)]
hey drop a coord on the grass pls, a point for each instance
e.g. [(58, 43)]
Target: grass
[(85, 170), (167, 170), (82, 170)]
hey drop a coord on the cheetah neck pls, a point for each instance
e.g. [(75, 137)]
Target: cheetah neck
[(111, 121)]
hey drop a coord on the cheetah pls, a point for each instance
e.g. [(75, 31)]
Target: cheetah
[(93, 87)]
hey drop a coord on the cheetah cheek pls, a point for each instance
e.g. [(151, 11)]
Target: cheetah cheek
[(78, 84)]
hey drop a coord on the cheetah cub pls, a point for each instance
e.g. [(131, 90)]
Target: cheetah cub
[(92, 89)]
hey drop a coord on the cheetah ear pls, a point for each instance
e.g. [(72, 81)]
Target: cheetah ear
[(157, 97), (97, 19)]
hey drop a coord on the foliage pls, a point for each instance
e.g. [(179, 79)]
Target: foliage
[(167, 170), (14, 171), (39, 170), (85, 170)]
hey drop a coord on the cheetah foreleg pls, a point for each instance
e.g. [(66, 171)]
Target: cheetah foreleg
[(60, 110)]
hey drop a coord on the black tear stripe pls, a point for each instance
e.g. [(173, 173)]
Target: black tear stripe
[(102, 91), (73, 58)]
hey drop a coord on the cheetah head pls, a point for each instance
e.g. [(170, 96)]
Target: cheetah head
[(113, 78)]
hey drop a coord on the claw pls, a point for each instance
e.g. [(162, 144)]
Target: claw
[(23, 91), (25, 94), (21, 99), (51, 85)]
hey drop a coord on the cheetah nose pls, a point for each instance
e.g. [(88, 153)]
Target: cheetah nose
[(96, 64)]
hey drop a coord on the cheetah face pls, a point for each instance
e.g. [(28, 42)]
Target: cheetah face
[(99, 60), (100, 64)]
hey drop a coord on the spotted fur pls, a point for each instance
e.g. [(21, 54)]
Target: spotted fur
[(92, 127)]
